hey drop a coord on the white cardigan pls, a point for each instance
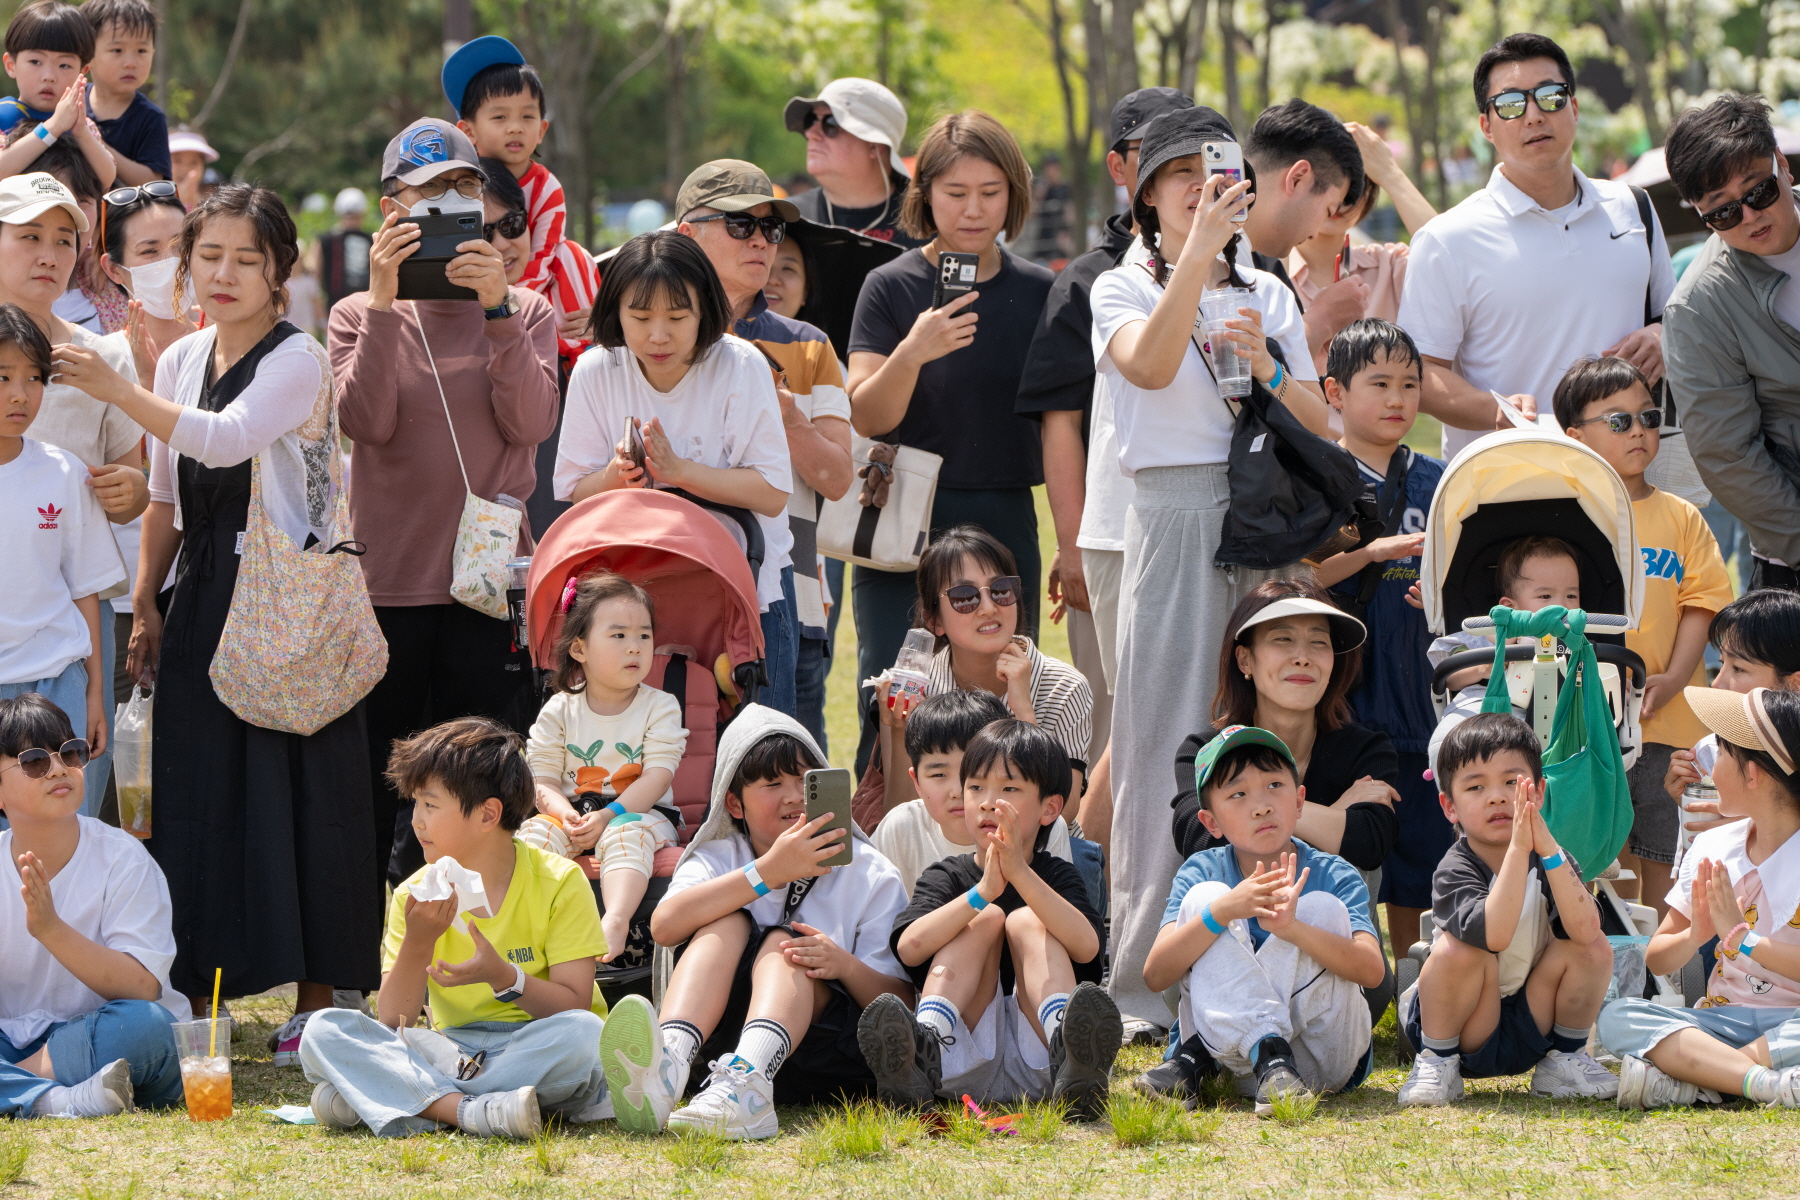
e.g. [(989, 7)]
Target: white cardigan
[(285, 417)]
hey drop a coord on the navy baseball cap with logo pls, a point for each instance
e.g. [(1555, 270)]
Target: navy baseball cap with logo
[(470, 60), (426, 149)]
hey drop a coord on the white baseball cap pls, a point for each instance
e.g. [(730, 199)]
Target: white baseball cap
[(350, 200), (863, 108), (27, 197), (187, 139)]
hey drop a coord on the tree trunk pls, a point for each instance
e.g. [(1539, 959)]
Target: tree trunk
[(1428, 100), (563, 39), (1624, 29), (1266, 68), (1099, 90), (1414, 126), (1193, 46), (1076, 139), (1228, 57), (675, 117), (1122, 52)]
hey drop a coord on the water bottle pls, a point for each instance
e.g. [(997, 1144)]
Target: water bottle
[(517, 570), (1703, 790), (912, 667)]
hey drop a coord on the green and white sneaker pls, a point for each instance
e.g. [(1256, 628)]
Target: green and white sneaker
[(642, 1077)]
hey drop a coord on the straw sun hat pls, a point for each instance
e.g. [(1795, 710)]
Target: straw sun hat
[(1742, 720)]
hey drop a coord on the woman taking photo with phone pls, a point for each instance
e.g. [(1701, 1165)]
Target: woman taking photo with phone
[(944, 379)]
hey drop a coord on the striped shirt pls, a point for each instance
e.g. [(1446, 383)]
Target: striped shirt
[(1061, 700), (560, 270)]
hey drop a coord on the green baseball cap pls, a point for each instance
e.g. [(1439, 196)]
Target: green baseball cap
[(730, 185), (1230, 738)]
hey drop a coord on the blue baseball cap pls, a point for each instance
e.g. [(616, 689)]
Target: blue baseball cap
[(426, 149), (470, 60)]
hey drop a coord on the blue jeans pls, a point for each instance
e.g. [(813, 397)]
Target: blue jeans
[(1633, 1026), (389, 1083), (781, 637), (68, 692), (137, 1031)]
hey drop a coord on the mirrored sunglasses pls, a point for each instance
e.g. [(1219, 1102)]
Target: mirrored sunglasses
[(1510, 105), (1620, 422), (966, 597), (160, 189), (1731, 214)]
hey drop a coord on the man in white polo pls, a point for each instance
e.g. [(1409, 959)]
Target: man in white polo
[(1545, 266), (853, 132)]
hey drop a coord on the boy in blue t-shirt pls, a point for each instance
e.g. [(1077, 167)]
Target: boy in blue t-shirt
[(1269, 939), (134, 128), (1372, 377)]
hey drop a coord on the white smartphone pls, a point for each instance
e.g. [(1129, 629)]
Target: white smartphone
[(1227, 159)]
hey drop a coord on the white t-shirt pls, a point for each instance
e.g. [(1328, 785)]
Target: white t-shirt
[(111, 892), (1787, 296), (94, 432), (854, 905), (1186, 423), (912, 841), (57, 546), (1511, 295), (722, 414)]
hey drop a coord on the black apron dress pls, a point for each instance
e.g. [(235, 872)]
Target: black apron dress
[(267, 839)]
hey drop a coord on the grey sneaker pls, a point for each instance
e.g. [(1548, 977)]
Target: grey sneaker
[(1179, 1078), (1083, 1049), (1277, 1074), (511, 1114), (893, 1043), (331, 1110)]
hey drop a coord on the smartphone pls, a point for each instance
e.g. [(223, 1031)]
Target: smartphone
[(422, 274), (955, 277), (829, 791), (634, 442), (1227, 159)]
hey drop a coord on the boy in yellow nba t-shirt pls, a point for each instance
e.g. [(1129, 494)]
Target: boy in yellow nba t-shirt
[(1605, 404), (516, 1015)]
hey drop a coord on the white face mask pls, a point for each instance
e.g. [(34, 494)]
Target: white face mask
[(153, 285)]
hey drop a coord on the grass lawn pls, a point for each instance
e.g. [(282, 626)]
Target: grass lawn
[(1499, 1142)]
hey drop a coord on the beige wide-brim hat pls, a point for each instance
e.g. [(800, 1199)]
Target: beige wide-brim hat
[(1741, 719)]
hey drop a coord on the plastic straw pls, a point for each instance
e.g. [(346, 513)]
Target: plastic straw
[(212, 1040)]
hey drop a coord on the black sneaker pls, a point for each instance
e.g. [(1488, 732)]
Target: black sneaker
[(1277, 1074), (1083, 1049), (890, 1041), (1179, 1078)]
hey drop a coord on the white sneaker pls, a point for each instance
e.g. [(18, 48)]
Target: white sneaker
[(1567, 1076), (737, 1102), (1787, 1093), (1643, 1085), (352, 999), (643, 1079), (330, 1109), (105, 1093), (1433, 1081), (511, 1114), (1137, 1030)]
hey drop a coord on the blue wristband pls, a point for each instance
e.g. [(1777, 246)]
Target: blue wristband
[(756, 880), (45, 136), (976, 900), (1747, 947), (1554, 861), (1211, 922), (617, 809), (1274, 384)]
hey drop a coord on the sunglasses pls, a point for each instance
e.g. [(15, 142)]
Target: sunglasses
[(828, 124), (741, 225), (1510, 105), (468, 187), (1620, 422), (160, 189), (510, 226), (966, 597), (35, 762), (1731, 214)]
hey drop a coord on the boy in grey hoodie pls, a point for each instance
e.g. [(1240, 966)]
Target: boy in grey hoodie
[(804, 949)]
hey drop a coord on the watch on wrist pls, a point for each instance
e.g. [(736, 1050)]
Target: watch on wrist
[(516, 990), (506, 308)]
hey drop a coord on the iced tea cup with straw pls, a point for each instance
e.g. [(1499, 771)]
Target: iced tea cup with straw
[(205, 1051)]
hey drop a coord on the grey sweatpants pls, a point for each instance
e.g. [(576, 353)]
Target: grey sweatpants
[(1173, 608)]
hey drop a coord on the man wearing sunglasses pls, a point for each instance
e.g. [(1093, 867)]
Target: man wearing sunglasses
[(1540, 268), (1733, 349), (853, 131), (730, 208)]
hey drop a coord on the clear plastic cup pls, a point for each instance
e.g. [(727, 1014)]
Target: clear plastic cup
[(912, 666), (1231, 368), (205, 1051)]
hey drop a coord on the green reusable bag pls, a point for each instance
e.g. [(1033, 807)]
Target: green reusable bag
[(1587, 804)]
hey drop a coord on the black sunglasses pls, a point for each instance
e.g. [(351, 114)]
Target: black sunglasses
[(1620, 422), (510, 226), (828, 124), (1510, 105), (1002, 590), (742, 225), (160, 189), (35, 762), (1731, 214)]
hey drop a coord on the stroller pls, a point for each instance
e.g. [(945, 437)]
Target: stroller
[(1516, 484), (698, 561)]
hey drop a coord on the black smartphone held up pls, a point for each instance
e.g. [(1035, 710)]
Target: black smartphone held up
[(422, 274), (634, 442), (955, 277), (829, 791)]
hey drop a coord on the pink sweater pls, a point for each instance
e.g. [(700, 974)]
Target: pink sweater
[(406, 494)]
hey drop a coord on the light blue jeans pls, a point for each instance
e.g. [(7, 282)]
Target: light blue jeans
[(137, 1031), (389, 1084), (1633, 1026), (68, 691)]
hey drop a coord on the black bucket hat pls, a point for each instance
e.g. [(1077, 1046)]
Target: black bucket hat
[(1177, 135)]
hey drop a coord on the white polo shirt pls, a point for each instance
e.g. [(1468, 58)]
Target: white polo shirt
[(1513, 294)]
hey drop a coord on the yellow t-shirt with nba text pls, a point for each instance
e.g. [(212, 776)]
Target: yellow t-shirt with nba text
[(549, 916), (1682, 569)]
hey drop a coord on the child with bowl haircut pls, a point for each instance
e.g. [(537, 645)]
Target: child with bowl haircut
[(930, 829), (776, 955), (1006, 950), (516, 1015), (1270, 940), (1519, 965)]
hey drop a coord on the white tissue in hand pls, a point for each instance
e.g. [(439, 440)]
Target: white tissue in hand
[(879, 681), (446, 874)]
